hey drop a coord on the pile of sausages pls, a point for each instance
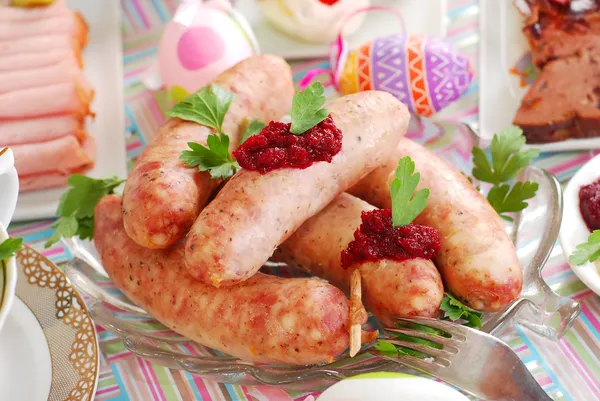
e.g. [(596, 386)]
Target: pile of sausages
[(187, 248)]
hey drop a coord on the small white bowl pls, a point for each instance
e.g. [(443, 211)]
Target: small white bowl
[(9, 270), (574, 230)]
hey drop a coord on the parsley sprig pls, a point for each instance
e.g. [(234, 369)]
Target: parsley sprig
[(77, 204), (253, 128), (9, 247), (386, 348), (406, 204), (456, 311), (588, 251), (307, 108), (208, 107), (507, 159)]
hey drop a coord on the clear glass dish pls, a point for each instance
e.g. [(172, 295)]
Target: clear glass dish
[(534, 231)]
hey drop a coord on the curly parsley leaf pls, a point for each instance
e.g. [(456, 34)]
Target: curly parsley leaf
[(9, 247), (207, 106), (406, 204), (455, 310), (386, 348), (215, 158), (588, 251), (76, 206), (253, 128), (307, 108), (505, 199), (507, 157)]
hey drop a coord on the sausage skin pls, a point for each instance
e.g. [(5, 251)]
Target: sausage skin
[(162, 196), (254, 213), (266, 319), (477, 260), (412, 288)]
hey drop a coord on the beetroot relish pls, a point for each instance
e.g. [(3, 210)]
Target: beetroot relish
[(589, 203), (377, 239), (329, 2), (276, 147)]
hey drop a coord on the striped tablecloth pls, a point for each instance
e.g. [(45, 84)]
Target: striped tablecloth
[(568, 369)]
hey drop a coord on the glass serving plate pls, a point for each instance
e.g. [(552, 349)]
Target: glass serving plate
[(534, 231)]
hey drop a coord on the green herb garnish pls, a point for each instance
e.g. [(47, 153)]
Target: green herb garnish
[(588, 251), (307, 108), (76, 207), (215, 159), (406, 204), (455, 310), (507, 159), (208, 107), (9, 247), (388, 349), (253, 128)]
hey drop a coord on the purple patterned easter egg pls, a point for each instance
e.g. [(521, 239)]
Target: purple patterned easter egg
[(425, 73)]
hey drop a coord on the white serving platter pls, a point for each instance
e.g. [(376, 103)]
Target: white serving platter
[(502, 45), (421, 16), (104, 68)]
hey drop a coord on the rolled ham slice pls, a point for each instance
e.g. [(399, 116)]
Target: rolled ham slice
[(63, 72), (18, 132), (62, 155), (67, 22), (26, 61), (57, 41), (21, 14), (72, 97)]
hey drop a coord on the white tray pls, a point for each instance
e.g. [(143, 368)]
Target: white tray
[(502, 45), (421, 16), (104, 68)]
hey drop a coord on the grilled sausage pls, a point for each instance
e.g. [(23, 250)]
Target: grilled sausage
[(266, 319), (162, 196), (477, 260), (254, 213)]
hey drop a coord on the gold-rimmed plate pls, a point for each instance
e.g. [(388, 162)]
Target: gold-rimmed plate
[(48, 345)]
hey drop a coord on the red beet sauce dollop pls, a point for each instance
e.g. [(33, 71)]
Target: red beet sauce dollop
[(276, 147), (377, 239), (589, 203)]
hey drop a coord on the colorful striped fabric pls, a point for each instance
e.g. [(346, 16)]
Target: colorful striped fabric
[(568, 369)]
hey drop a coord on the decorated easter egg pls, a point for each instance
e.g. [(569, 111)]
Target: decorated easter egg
[(202, 41), (425, 73), (316, 21)]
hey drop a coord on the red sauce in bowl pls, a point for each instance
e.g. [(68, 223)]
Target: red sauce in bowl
[(276, 147), (589, 204), (377, 239)]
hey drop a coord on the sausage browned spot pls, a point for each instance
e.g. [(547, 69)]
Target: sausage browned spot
[(390, 288), (477, 260), (254, 213), (163, 197), (266, 319)]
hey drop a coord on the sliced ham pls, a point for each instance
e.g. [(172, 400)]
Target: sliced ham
[(65, 98), (62, 72), (62, 155), (26, 61), (17, 132), (68, 22), (57, 41), (30, 13)]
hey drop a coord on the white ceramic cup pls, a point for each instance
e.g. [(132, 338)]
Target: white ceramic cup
[(9, 190)]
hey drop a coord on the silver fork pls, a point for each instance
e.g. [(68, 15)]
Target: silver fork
[(468, 359)]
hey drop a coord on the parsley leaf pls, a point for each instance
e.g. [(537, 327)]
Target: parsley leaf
[(207, 106), (506, 200), (215, 159), (9, 247), (76, 206), (307, 108), (455, 310), (253, 128), (386, 348), (588, 251), (507, 158), (405, 206)]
